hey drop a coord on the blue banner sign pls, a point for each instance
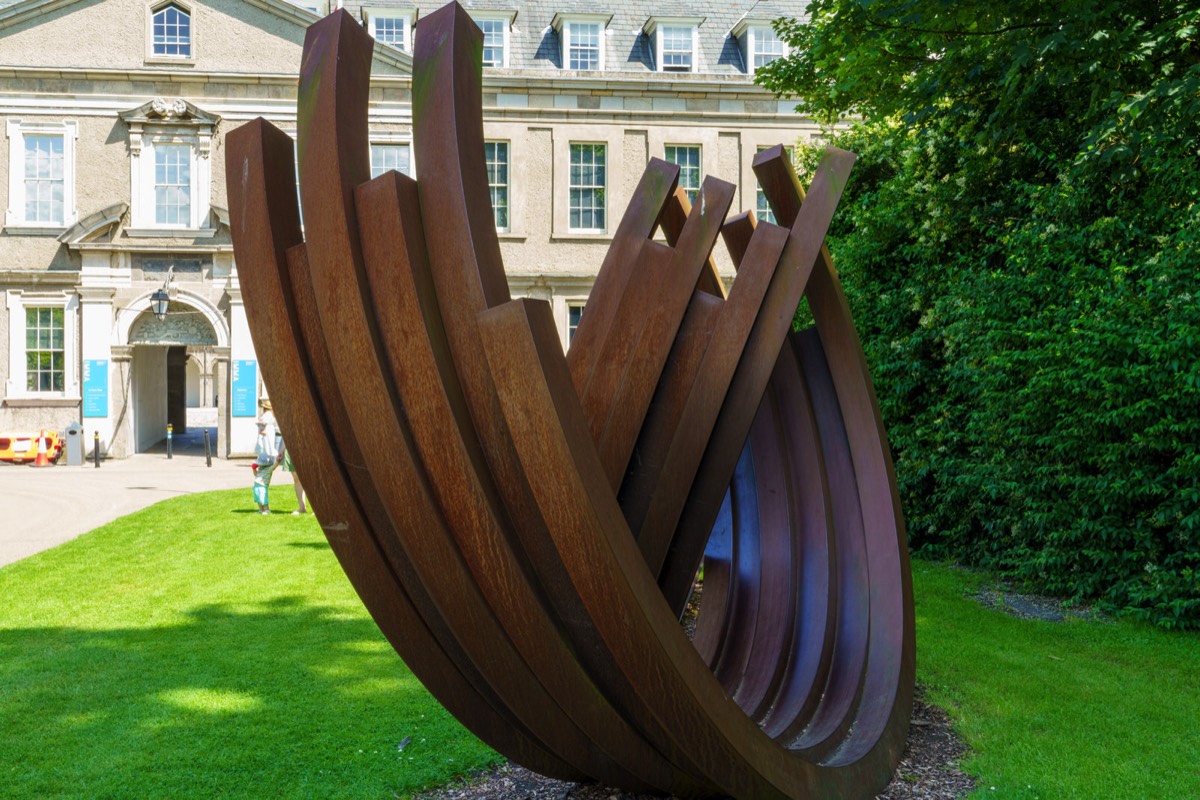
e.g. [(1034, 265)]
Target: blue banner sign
[(95, 387), (245, 388)]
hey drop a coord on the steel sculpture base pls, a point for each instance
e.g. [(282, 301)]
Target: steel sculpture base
[(526, 527)]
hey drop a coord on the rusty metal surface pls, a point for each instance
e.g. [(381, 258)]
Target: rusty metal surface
[(525, 526)]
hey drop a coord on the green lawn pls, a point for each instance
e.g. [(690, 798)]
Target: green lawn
[(1060, 711), (196, 649)]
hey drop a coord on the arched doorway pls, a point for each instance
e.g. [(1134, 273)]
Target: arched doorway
[(161, 352)]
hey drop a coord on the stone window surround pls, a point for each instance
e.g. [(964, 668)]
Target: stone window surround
[(708, 140), (14, 217), (16, 391), (175, 61), (514, 134), (169, 122)]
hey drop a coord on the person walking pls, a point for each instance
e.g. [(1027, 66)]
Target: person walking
[(267, 456)]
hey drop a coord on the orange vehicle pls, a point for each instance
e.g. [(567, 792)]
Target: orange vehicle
[(22, 447)]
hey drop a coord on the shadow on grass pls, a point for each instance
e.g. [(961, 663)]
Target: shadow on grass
[(283, 699)]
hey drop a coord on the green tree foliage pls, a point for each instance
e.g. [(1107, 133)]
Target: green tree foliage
[(1021, 248)]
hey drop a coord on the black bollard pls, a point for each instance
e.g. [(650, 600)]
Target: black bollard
[(170, 433), (96, 449), (207, 451)]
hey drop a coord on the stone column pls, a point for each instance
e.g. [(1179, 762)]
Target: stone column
[(121, 445)]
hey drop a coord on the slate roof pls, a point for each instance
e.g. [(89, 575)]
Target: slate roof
[(534, 44)]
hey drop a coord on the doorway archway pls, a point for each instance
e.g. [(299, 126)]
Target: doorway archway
[(161, 351)]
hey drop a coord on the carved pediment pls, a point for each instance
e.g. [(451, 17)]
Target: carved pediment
[(97, 227), (169, 111)]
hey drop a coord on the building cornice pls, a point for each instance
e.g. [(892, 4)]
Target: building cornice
[(19, 12), (36, 278), (126, 247), (143, 74), (493, 80)]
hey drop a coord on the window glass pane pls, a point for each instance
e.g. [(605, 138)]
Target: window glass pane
[(574, 314), (390, 30), (386, 157), (676, 48), (172, 32), (496, 156), (583, 45), (767, 47), (688, 159), (586, 187), (45, 172), (45, 355), (172, 184), (493, 41)]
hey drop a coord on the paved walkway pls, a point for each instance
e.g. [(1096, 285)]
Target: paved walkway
[(42, 508)]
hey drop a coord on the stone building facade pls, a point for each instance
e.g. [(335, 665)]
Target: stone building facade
[(114, 114)]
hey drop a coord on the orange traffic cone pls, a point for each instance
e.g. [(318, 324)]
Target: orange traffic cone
[(43, 456)]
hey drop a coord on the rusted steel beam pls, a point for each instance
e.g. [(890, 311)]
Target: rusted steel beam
[(753, 371), (696, 400), (674, 217), (623, 381), (646, 207), (466, 472)]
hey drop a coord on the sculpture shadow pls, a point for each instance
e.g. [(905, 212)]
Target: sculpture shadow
[(231, 702)]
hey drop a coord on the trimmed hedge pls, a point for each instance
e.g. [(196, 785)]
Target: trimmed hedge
[(1037, 361)]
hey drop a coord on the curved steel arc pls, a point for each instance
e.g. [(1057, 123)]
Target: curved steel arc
[(524, 526), (265, 226), (405, 303)]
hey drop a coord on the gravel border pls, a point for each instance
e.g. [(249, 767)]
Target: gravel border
[(928, 770), (1034, 606)]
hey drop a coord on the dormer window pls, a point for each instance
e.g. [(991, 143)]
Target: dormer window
[(582, 37), (171, 32), (673, 42), (495, 29), (759, 43), (390, 27)]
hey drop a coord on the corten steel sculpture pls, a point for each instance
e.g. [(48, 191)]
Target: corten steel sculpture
[(526, 527)]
